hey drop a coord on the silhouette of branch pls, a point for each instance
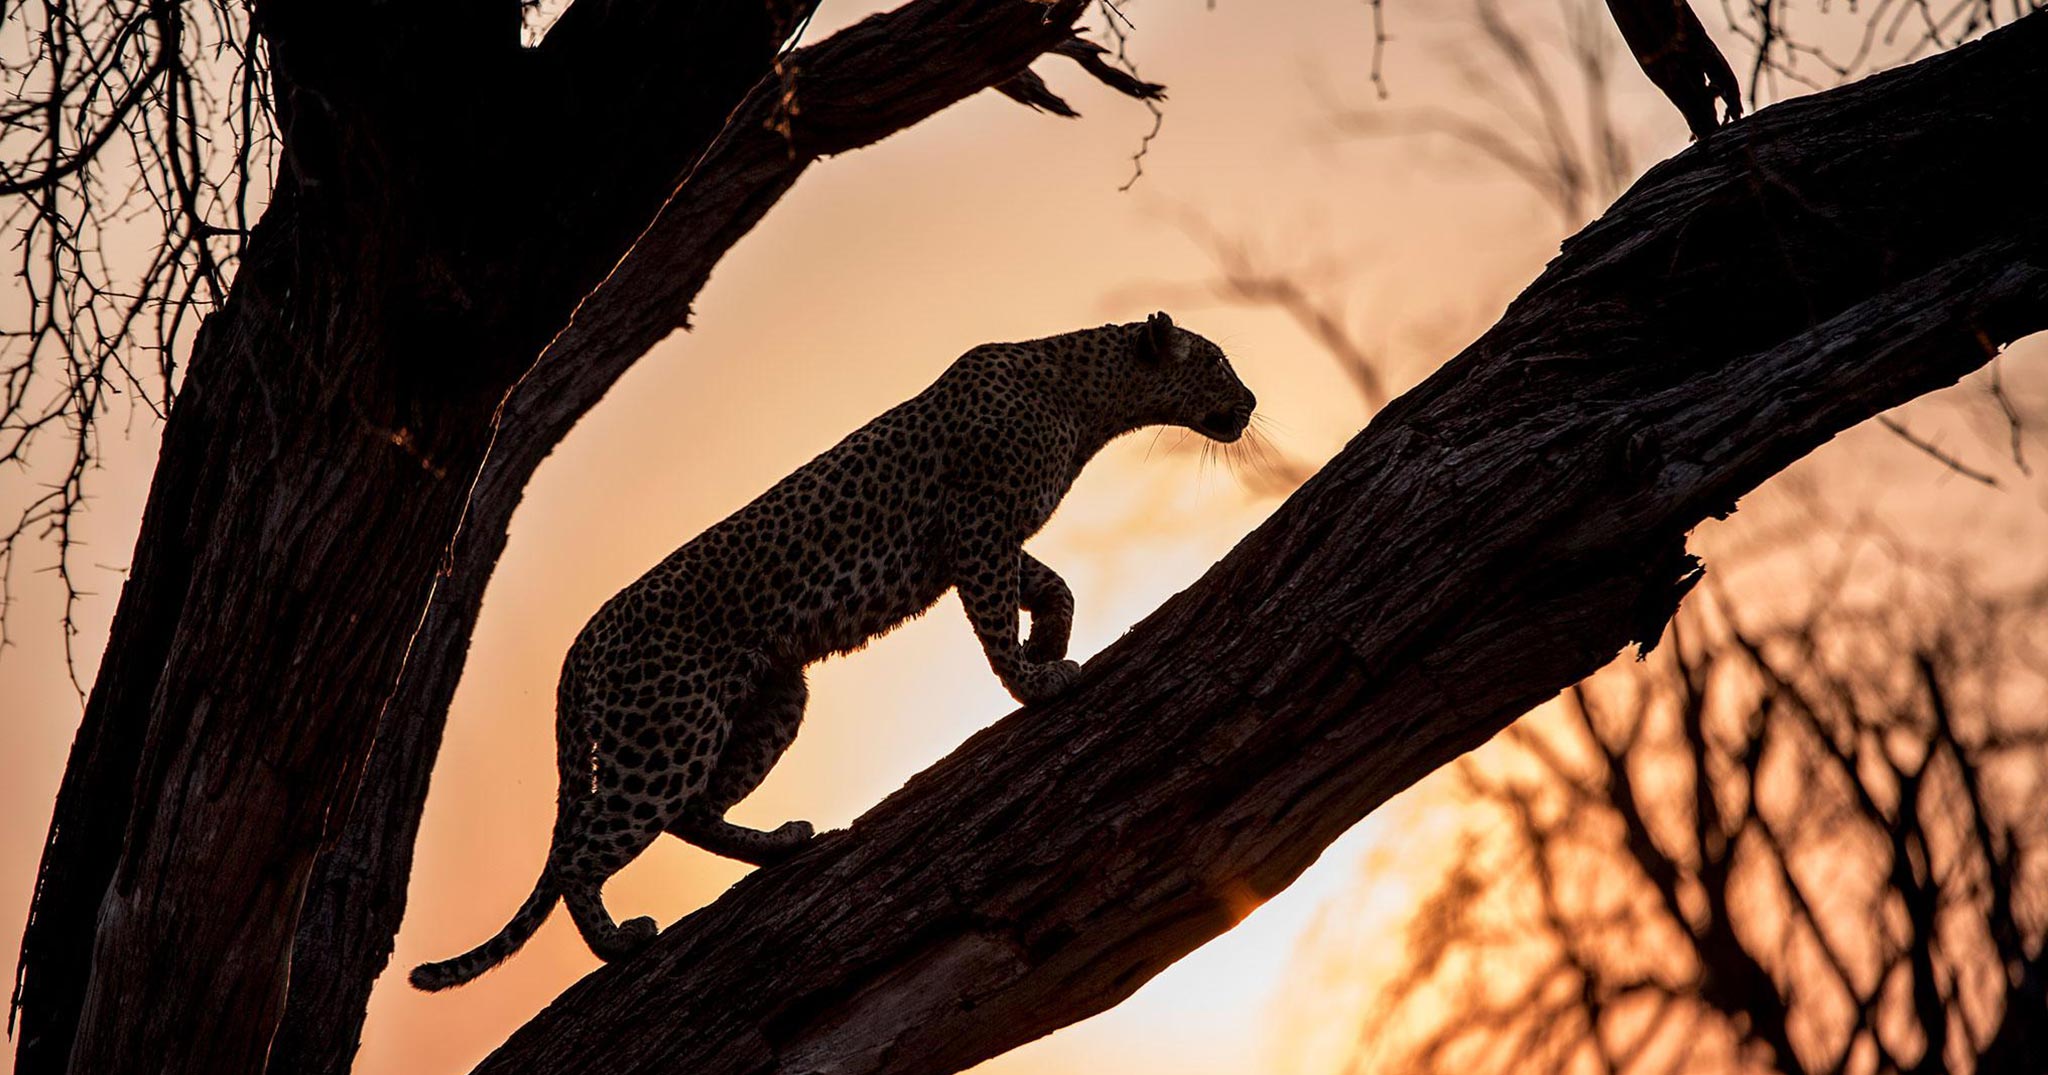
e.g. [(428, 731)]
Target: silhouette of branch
[(1934, 452), (1027, 88), (1881, 34), (1682, 61), (1577, 167), (1835, 872), (129, 126)]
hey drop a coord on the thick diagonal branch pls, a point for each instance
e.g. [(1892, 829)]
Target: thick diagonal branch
[(1496, 534)]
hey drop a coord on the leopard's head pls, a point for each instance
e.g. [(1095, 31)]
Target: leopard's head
[(1184, 380)]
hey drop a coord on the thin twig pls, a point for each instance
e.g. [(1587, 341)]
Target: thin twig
[(1935, 452)]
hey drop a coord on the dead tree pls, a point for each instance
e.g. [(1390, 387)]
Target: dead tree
[(1494, 536), (1809, 846)]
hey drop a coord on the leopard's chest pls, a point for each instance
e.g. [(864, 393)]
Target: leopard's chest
[(1037, 502), (1047, 479)]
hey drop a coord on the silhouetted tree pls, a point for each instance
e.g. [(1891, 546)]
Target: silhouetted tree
[(425, 239), (1813, 846)]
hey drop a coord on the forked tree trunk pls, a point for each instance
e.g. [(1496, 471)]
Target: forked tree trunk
[(1495, 535), (322, 452)]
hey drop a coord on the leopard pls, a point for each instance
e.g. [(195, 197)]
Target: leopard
[(686, 687)]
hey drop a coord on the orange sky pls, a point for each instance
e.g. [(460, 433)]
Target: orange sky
[(988, 222)]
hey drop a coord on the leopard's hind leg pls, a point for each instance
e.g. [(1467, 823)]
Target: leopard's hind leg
[(649, 761), (582, 873), (763, 724)]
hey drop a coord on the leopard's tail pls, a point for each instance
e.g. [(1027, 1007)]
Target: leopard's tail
[(573, 746), (462, 968)]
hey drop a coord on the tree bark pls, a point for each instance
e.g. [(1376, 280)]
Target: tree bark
[(1495, 535), (317, 469)]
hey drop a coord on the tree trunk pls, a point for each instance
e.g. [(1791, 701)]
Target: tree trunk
[(1495, 535), (317, 469)]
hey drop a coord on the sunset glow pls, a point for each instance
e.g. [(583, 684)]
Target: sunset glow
[(993, 222)]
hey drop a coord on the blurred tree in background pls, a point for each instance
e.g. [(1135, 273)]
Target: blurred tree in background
[(1802, 844), (1806, 844)]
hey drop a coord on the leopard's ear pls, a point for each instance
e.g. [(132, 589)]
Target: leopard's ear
[(1159, 338)]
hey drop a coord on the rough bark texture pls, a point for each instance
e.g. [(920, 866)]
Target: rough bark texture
[(1495, 535), (320, 458)]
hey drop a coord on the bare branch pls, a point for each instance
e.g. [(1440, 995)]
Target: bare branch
[(117, 136), (1935, 452), (1862, 909)]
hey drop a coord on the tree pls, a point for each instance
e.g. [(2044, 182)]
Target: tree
[(254, 643), (1813, 845), (353, 429)]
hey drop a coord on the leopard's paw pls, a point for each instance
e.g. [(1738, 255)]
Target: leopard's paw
[(1047, 681), (633, 935), (793, 834)]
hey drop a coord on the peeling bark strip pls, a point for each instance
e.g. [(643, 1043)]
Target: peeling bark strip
[(1495, 535)]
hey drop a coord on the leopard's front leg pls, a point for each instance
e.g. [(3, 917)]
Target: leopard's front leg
[(987, 569), (1044, 594)]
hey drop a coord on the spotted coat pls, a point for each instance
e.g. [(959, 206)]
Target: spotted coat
[(687, 686)]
